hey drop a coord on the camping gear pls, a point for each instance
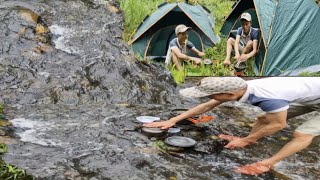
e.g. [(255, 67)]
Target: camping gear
[(147, 119), (239, 66), (194, 119), (155, 132), (207, 61), (153, 35), (173, 130), (180, 141), (289, 34)]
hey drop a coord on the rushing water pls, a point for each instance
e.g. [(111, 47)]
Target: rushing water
[(73, 89)]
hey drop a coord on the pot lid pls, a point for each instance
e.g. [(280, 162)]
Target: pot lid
[(147, 119), (180, 141)]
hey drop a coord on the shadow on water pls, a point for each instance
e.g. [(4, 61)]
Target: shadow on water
[(73, 89)]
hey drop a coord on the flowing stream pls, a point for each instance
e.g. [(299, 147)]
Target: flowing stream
[(73, 89)]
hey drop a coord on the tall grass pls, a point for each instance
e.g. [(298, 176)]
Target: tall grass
[(309, 74), (136, 10)]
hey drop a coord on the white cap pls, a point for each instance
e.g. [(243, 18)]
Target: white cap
[(181, 28), (214, 85), (246, 16)]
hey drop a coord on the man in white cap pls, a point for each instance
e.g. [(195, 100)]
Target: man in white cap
[(281, 98), (246, 43), (178, 47)]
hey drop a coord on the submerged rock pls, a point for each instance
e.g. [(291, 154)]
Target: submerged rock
[(70, 52)]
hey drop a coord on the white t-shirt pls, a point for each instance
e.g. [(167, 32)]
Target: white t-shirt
[(175, 43), (276, 93)]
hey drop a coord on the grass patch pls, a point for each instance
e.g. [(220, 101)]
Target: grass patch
[(309, 74), (9, 172), (136, 10), (1, 112)]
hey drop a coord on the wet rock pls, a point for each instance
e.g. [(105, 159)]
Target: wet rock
[(1, 101), (72, 175), (3, 122), (62, 82), (2, 132), (81, 51), (7, 140)]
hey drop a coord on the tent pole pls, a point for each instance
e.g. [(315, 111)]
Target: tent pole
[(265, 55)]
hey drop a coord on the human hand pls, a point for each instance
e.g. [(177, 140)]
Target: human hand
[(243, 57), (197, 61), (237, 143), (254, 169), (201, 54), (161, 125), (236, 57)]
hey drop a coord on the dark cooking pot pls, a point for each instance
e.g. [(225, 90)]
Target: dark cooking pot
[(240, 66)]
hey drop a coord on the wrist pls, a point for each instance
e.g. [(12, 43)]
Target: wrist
[(173, 120), (249, 140)]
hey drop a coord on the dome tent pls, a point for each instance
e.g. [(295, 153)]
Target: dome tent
[(289, 34), (154, 34)]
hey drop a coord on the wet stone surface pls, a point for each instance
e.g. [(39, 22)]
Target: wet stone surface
[(71, 52), (104, 142), (73, 89)]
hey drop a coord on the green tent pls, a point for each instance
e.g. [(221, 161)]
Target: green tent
[(288, 29), (154, 34)]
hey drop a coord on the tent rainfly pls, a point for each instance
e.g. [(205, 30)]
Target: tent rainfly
[(154, 34), (289, 31)]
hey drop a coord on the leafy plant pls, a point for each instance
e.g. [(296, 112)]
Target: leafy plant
[(309, 73), (1, 108), (160, 145), (10, 172), (136, 10)]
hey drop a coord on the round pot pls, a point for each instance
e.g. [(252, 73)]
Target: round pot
[(240, 67), (153, 132)]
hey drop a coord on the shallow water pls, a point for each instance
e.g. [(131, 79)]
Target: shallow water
[(73, 90)]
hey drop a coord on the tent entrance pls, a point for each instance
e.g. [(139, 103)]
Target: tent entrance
[(159, 43)]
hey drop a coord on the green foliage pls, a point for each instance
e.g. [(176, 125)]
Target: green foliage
[(309, 74), (1, 112), (1, 108), (160, 145), (220, 9), (136, 10), (10, 172), (7, 171)]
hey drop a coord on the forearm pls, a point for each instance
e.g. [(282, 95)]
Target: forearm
[(194, 59), (236, 49), (202, 108), (299, 142), (252, 53), (266, 130), (183, 56)]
